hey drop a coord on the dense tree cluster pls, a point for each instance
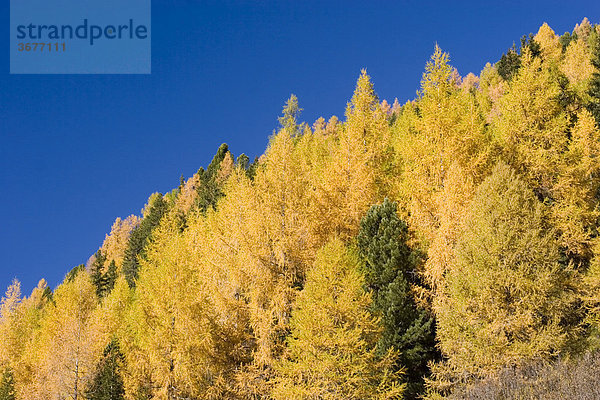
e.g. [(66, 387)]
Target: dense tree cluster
[(408, 251)]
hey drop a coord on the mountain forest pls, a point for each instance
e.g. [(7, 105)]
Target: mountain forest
[(448, 247)]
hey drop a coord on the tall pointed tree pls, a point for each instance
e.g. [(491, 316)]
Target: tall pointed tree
[(25, 327), (210, 187), (358, 173), (115, 243), (68, 345), (107, 383), (97, 275), (9, 333), (332, 344), (444, 126), (389, 267), (156, 208)]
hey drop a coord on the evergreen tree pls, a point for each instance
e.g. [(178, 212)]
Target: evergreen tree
[(7, 385), (74, 272), (139, 237), (243, 161), (215, 164), (509, 63), (97, 275), (566, 39), (209, 189), (110, 277), (107, 383), (389, 269), (530, 43), (594, 88), (251, 170)]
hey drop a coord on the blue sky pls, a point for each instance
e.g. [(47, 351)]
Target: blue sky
[(77, 151)]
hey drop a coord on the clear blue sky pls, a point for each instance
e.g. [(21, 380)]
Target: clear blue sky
[(78, 151)]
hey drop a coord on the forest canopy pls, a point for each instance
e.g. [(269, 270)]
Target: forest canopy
[(403, 251)]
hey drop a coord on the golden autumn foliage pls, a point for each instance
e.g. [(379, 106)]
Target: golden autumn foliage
[(67, 348), (548, 41), (333, 336), (443, 127), (507, 298), (576, 64), (243, 282), (115, 243)]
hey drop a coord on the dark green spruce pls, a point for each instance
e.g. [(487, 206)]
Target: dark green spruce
[(510, 62), (209, 191), (107, 383), (389, 269), (103, 281), (72, 274), (139, 238)]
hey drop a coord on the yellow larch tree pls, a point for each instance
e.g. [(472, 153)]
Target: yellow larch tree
[(576, 208), (359, 169), (532, 126), (537, 140), (188, 194), (223, 249), (261, 222), (332, 343), (577, 66), (174, 328), (188, 333), (68, 345), (491, 88), (507, 297), (25, 325), (549, 46), (115, 243), (10, 343), (584, 29), (442, 127), (453, 204)]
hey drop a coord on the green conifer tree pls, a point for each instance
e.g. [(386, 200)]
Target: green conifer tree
[(107, 383), (110, 277), (509, 63), (72, 274), (389, 269), (98, 278), (209, 191), (139, 238), (243, 161)]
